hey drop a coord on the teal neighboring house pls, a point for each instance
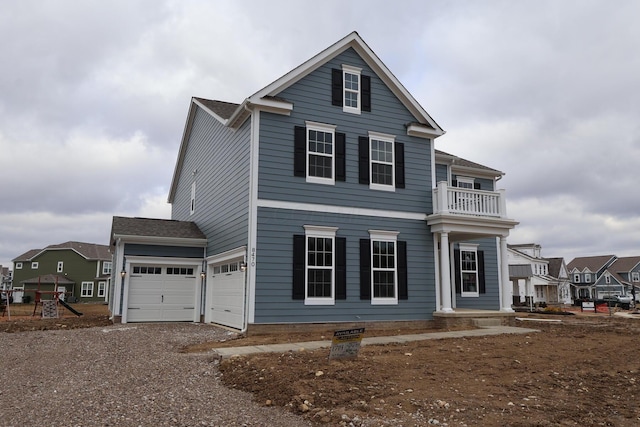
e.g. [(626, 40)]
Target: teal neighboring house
[(79, 269)]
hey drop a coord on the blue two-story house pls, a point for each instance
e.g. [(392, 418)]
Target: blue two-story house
[(320, 198)]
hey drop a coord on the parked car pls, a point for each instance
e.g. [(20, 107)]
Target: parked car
[(621, 300)]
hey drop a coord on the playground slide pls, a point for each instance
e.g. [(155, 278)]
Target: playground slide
[(68, 307)]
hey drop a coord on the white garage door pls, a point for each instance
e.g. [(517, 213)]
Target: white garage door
[(225, 294), (161, 294)]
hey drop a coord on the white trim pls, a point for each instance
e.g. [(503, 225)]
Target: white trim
[(324, 128), (468, 247), (60, 267), (18, 266), (192, 203), (250, 277), (90, 294), (324, 233), (384, 236), (173, 241), (227, 256), (35, 265), (348, 69), (208, 111), (344, 210), (391, 139), (104, 289)]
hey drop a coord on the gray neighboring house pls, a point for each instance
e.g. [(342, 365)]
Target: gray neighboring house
[(584, 272), (320, 198)]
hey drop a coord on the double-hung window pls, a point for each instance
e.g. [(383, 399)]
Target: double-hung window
[(60, 267), (587, 277), (106, 267), (102, 289), (635, 276), (384, 267), (86, 290), (576, 278), (351, 89), (382, 163), (469, 270), (320, 265), (320, 153)]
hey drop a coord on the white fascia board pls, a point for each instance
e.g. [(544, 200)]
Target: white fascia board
[(164, 241), (272, 106), (421, 131), (186, 132), (475, 172)]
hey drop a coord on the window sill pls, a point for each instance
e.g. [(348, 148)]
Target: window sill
[(319, 301), (323, 181), (380, 187), (384, 301)]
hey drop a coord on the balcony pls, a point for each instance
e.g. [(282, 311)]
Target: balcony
[(466, 201)]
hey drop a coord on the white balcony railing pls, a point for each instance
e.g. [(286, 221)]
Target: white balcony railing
[(466, 201)]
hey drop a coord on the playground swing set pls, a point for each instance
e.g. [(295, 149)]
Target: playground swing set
[(48, 308)]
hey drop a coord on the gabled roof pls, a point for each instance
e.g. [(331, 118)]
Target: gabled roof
[(124, 227), (591, 263), (89, 251), (233, 115), (460, 165), (555, 265), (623, 265)]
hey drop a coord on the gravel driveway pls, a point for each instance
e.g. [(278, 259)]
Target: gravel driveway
[(121, 375)]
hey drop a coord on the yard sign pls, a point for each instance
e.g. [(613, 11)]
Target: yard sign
[(346, 343)]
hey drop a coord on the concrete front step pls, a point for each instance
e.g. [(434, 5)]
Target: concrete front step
[(486, 322)]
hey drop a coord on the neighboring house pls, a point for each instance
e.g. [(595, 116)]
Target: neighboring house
[(622, 278), (320, 198), (558, 270), (6, 278), (81, 270), (536, 279), (584, 272)]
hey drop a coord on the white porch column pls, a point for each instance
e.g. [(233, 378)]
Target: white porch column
[(445, 272), (505, 304)]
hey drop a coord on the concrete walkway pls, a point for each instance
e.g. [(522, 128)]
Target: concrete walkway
[(314, 345)]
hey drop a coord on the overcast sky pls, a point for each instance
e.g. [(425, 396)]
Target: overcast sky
[(94, 97)]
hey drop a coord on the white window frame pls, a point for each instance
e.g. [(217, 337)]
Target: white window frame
[(607, 278), (326, 128), (383, 137), (325, 233), (18, 266), (86, 292), (107, 267), (576, 278), (60, 267), (102, 289), (192, 202), (587, 277), (468, 247), (384, 236), (348, 69), (635, 276), (465, 180), (35, 265)]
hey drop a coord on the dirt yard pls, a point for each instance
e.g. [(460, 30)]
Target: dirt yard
[(21, 318), (583, 371)]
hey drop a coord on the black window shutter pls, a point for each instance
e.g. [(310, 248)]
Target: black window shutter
[(476, 186), (403, 286), (341, 166), (454, 183), (363, 160), (481, 283), (300, 151), (365, 269), (298, 266), (399, 148), (366, 93), (456, 269), (336, 87), (341, 268)]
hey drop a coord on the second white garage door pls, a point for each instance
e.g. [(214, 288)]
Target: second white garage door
[(161, 294), (225, 294)]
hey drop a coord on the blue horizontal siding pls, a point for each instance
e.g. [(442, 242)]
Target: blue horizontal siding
[(491, 299), (274, 269), (311, 97), (131, 249)]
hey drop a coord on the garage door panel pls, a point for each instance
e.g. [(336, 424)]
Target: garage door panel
[(226, 304), (161, 297)]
